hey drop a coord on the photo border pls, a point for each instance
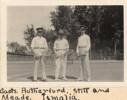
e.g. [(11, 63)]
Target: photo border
[(3, 73)]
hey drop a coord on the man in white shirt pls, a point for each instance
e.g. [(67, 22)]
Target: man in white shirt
[(39, 47), (61, 47), (83, 48)]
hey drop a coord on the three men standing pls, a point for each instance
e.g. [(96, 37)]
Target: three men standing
[(61, 47)]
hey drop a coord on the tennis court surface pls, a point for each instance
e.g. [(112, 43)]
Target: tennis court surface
[(101, 71)]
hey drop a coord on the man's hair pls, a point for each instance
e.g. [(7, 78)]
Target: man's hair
[(40, 28)]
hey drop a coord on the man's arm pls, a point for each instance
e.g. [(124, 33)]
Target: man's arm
[(32, 43), (88, 43), (77, 49), (54, 48), (45, 44), (67, 45)]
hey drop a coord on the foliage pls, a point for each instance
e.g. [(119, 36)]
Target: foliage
[(103, 23), (105, 27), (16, 48), (29, 33)]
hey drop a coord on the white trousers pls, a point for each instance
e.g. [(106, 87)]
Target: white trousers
[(39, 61), (85, 73), (61, 62)]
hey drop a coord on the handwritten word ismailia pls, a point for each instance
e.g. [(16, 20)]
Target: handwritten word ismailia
[(67, 96)]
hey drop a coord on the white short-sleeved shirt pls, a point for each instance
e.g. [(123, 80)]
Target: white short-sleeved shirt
[(39, 46), (83, 45), (61, 46)]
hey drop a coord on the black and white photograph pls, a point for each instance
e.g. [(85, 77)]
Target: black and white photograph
[(76, 43)]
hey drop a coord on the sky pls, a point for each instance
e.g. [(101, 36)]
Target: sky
[(20, 16)]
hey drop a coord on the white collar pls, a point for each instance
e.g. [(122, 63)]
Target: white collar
[(39, 37)]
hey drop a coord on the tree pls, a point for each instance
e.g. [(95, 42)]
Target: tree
[(29, 33), (63, 18), (22, 50), (117, 42), (51, 36), (14, 46), (102, 22)]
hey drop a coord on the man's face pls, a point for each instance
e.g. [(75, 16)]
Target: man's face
[(60, 36), (39, 32), (83, 32)]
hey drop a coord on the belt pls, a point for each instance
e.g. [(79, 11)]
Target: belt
[(60, 49), (82, 46), (39, 48)]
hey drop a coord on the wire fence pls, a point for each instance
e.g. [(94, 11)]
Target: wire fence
[(72, 57)]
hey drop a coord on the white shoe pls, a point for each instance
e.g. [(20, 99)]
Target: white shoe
[(64, 78), (57, 79), (34, 80), (44, 79), (88, 79), (80, 79)]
